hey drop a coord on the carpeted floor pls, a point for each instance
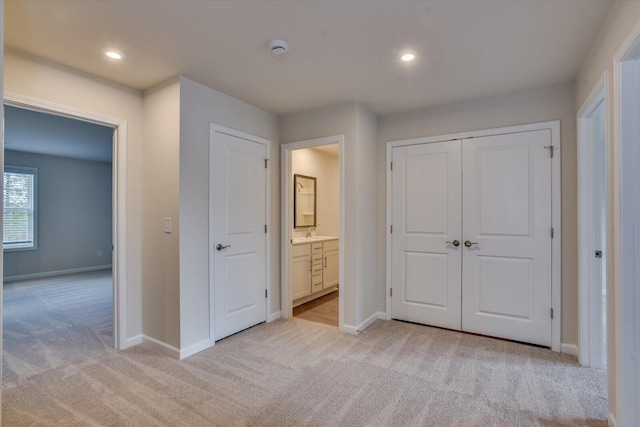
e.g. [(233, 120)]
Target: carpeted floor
[(294, 372)]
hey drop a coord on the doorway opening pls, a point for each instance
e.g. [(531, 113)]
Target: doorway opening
[(312, 230), (117, 245), (593, 202), (57, 241)]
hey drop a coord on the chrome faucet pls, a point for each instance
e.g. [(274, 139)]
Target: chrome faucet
[(308, 235)]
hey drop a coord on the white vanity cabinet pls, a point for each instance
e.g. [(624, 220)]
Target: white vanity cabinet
[(331, 258), (314, 268), (300, 271)]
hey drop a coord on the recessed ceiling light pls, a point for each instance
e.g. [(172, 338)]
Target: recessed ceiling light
[(408, 57), (113, 53)]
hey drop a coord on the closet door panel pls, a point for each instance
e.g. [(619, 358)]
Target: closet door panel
[(506, 283), (426, 271)]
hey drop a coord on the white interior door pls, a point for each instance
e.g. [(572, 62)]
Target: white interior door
[(426, 215), (239, 240), (506, 283)]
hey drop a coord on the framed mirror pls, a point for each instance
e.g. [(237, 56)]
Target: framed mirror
[(304, 201)]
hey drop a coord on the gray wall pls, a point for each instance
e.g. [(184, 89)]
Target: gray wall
[(160, 251), (46, 81), (619, 21), (175, 267), (537, 105), (359, 128), (199, 107), (74, 215)]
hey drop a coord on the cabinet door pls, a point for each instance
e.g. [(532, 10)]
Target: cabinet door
[(300, 277), (330, 271)]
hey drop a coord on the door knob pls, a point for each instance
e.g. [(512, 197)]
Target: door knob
[(219, 247), (455, 243), (469, 243)]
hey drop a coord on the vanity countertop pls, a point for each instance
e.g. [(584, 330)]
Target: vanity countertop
[(315, 239)]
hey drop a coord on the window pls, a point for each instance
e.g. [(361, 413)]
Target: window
[(20, 213)]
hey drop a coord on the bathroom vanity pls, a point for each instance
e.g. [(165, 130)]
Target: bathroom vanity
[(314, 267)]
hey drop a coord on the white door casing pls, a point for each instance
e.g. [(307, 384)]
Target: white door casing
[(427, 213), (506, 282), (123, 337), (238, 219), (593, 219)]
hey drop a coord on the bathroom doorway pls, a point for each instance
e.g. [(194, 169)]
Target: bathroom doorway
[(312, 231)]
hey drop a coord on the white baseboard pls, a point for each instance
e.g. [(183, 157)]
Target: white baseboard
[(195, 348), (367, 322), (355, 330), (571, 349), (56, 273), (274, 316), (174, 352), (133, 341), (349, 329), (612, 420), (165, 348)]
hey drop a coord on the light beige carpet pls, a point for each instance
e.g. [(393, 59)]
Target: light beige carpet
[(59, 371)]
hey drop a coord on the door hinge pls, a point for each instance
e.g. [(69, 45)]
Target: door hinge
[(552, 232), (265, 163), (551, 313), (390, 292), (265, 229), (391, 165), (266, 293), (391, 229), (551, 148)]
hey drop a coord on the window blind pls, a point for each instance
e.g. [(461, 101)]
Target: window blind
[(19, 208)]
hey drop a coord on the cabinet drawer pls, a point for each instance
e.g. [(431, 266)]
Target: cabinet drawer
[(316, 283), (316, 256), (300, 250), (332, 245), (316, 247)]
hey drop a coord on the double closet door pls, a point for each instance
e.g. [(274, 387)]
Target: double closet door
[(471, 239)]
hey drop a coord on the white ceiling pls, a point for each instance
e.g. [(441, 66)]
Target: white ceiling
[(339, 51), (40, 133)]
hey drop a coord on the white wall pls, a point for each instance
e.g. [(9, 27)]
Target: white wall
[(73, 218), (199, 107), (367, 218), (324, 167), (160, 251), (537, 105), (47, 81), (619, 21), (358, 127)]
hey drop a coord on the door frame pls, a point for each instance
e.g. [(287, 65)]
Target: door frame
[(626, 194), (119, 204), (590, 299), (286, 229), (556, 213), (213, 128)]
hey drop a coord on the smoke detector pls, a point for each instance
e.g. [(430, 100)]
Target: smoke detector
[(278, 47)]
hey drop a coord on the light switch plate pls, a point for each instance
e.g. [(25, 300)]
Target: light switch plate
[(167, 225)]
